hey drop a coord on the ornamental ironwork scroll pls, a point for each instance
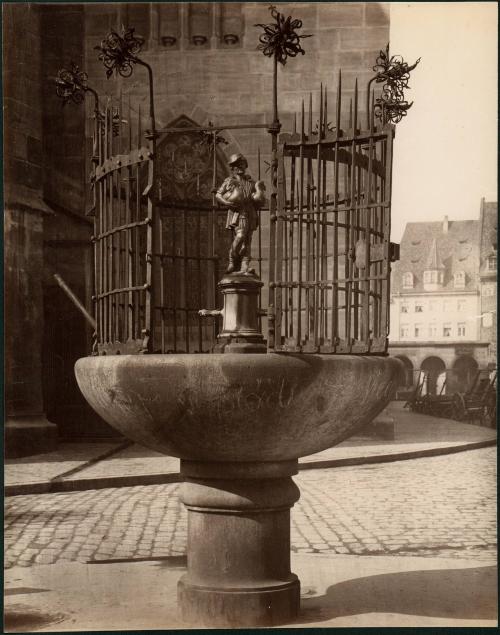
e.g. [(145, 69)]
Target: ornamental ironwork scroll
[(280, 38), (394, 73), (71, 84), (118, 53)]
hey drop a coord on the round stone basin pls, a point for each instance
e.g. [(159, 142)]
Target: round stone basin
[(253, 407), (238, 423)]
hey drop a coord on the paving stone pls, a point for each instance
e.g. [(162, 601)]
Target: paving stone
[(443, 505)]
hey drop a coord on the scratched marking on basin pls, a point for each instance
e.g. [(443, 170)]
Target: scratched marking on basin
[(260, 396)]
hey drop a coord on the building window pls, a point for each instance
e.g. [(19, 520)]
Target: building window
[(433, 276), (405, 330), (446, 306), (408, 280), (432, 306), (430, 277), (488, 290), (461, 304), (418, 330), (419, 307), (404, 307), (459, 280), (492, 263), (447, 330), (432, 330), (461, 329)]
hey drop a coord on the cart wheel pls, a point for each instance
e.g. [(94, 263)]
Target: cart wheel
[(459, 408)]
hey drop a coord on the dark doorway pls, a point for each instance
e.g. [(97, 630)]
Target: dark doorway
[(436, 373), (406, 380), (464, 372)]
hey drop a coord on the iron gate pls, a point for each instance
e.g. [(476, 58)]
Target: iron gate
[(160, 240), (123, 181), (330, 238), (190, 237)]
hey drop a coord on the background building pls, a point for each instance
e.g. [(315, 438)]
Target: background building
[(443, 301), (207, 68), (488, 276)]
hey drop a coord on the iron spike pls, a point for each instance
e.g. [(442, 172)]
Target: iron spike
[(302, 118), (139, 127), (310, 115), (120, 117), (320, 116), (129, 125), (339, 102), (109, 115), (355, 122), (372, 112), (325, 112)]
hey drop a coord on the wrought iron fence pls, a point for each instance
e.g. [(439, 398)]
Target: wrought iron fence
[(123, 179), (160, 238), (160, 242), (191, 239), (330, 238)]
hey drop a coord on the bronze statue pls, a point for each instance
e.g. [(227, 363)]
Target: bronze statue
[(244, 197)]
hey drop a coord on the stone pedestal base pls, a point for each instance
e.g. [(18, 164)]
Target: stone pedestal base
[(239, 544), (240, 328), (28, 435)]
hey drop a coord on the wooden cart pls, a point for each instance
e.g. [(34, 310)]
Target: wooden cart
[(479, 403), (417, 400)]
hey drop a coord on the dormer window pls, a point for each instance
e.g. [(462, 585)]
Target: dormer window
[(433, 276), (434, 269), (459, 280), (430, 277), (408, 280)]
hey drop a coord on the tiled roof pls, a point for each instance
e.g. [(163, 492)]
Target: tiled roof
[(457, 249)]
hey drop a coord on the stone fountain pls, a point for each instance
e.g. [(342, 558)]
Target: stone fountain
[(239, 423), (240, 418)]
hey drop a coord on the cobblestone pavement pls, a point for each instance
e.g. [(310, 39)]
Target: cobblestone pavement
[(440, 506)]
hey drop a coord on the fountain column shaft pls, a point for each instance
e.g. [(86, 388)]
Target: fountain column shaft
[(239, 546)]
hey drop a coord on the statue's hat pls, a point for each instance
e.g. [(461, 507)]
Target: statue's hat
[(235, 158)]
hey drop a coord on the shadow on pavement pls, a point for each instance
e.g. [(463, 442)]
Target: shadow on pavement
[(22, 619), (469, 593)]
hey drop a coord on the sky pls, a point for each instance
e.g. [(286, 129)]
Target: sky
[(445, 154)]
